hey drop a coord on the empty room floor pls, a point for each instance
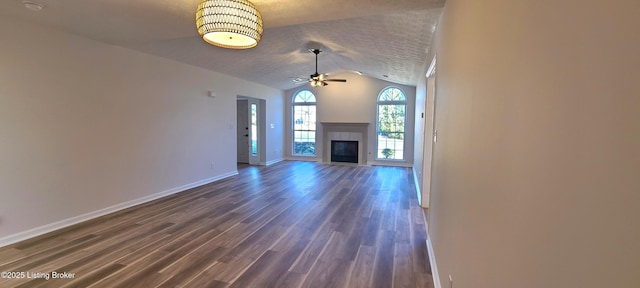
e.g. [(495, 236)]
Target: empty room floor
[(292, 224)]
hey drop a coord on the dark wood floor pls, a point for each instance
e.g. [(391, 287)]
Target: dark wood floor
[(292, 224)]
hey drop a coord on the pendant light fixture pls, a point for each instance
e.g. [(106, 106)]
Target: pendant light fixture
[(234, 24)]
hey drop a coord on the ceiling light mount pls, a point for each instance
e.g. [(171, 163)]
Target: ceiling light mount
[(33, 6), (233, 24)]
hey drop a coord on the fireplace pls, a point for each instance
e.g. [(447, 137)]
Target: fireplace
[(344, 151), (344, 132)]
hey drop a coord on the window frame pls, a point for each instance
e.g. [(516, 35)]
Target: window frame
[(295, 104), (380, 102)]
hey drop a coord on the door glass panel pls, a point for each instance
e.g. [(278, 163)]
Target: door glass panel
[(254, 129)]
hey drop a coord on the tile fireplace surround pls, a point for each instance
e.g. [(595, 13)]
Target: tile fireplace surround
[(345, 132)]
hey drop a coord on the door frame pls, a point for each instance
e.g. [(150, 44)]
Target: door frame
[(429, 135), (260, 157)]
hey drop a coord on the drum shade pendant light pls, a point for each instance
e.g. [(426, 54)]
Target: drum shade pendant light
[(234, 24)]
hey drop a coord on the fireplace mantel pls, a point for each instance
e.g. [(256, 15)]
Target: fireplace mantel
[(344, 124), (350, 131)]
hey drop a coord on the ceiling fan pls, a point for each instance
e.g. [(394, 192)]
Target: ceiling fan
[(318, 80)]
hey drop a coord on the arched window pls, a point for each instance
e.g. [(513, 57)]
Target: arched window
[(304, 123), (392, 105)]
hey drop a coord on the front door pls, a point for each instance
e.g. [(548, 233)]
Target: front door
[(243, 131)]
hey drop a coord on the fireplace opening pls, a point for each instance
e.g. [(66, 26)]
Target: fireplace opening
[(344, 151)]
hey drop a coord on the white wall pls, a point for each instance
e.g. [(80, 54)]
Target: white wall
[(85, 126), (351, 102), (536, 166)]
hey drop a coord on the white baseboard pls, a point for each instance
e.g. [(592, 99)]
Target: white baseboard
[(303, 158), (390, 163), (416, 183), (274, 161), (434, 267), (8, 240)]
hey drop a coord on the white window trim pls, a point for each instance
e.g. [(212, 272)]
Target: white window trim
[(293, 125), (404, 138)]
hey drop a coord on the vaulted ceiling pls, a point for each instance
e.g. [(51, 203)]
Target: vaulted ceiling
[(379, 38)]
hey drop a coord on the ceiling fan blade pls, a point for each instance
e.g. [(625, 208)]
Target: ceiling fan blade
[(336, 80)]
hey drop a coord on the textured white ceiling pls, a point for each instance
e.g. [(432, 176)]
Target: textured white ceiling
[(375, 37)]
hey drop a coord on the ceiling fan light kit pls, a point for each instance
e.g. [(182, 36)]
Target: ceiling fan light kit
[(317, 83), (33, 6), (233, 24)]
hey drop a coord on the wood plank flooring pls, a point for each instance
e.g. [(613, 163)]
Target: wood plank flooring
[(292, 224)]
